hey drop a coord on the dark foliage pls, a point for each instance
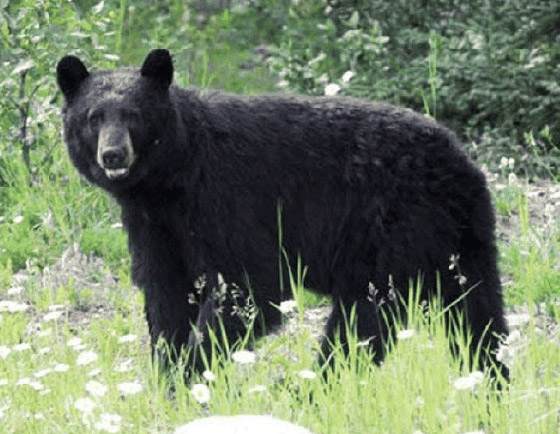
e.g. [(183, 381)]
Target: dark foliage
[(496, 75)]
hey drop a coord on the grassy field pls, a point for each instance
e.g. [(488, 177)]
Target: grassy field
[(74, 357), (74, 351)]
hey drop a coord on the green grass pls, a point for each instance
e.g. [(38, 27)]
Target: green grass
[(415, 389), (45, 212), (531, 256), (37, 219)]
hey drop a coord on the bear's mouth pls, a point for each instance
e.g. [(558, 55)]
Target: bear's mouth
[(115, 174)]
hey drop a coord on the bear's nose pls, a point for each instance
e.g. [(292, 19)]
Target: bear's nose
[(113, 158)]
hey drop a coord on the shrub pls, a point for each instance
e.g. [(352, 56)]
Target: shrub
[(491, 65)]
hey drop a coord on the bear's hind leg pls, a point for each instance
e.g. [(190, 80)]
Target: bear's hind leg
[(484, 310)]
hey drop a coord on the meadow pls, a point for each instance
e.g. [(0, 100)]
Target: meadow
[(74, 349)]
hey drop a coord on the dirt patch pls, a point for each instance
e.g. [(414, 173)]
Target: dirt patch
[(543, 200)]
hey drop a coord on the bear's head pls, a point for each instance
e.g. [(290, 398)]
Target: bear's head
[(114, 119)]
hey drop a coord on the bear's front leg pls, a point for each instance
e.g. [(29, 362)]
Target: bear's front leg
[(159, 269), (169, 317), (229, 314), (226, 314)]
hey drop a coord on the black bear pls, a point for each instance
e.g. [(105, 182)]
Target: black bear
[(214, 187)]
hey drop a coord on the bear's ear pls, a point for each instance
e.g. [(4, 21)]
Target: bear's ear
[(159, 67), (70, 73)]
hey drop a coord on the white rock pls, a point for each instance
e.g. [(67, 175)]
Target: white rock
[(15, 290), (12, 306), (241, 424), (518, 320)]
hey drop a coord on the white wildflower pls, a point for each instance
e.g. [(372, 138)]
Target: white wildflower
[(503, 163), (259, 388), (244, 357), (52, 316), (332, 89), (125, 366), (84, 405), (4, 352), (111, 57), (43, 372), (94, 373), (200, 393), (61, 367), (288, 306), (44, 350), (208, 375), (347, 76), (24, 346), (129, 388), (513, 338), (470, 382), (364, 344), (323, 79), (405, 334), (15, 290), (109, 422), (31, 383), (36, 385), (44, 333), (505, 355), (307, 374), (96, 388), (23, 381), (74, 342), (86, 357), (127, 338), (12, 306), (512, 179), (18, 219)]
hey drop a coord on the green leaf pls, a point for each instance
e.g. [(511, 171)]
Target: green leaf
[(98, 7), (23, 67), (354, 20)]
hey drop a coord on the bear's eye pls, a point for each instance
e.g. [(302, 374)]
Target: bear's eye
[(130, 116), (95, 118)]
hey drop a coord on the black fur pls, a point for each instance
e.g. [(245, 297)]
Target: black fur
[(367, 192)]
